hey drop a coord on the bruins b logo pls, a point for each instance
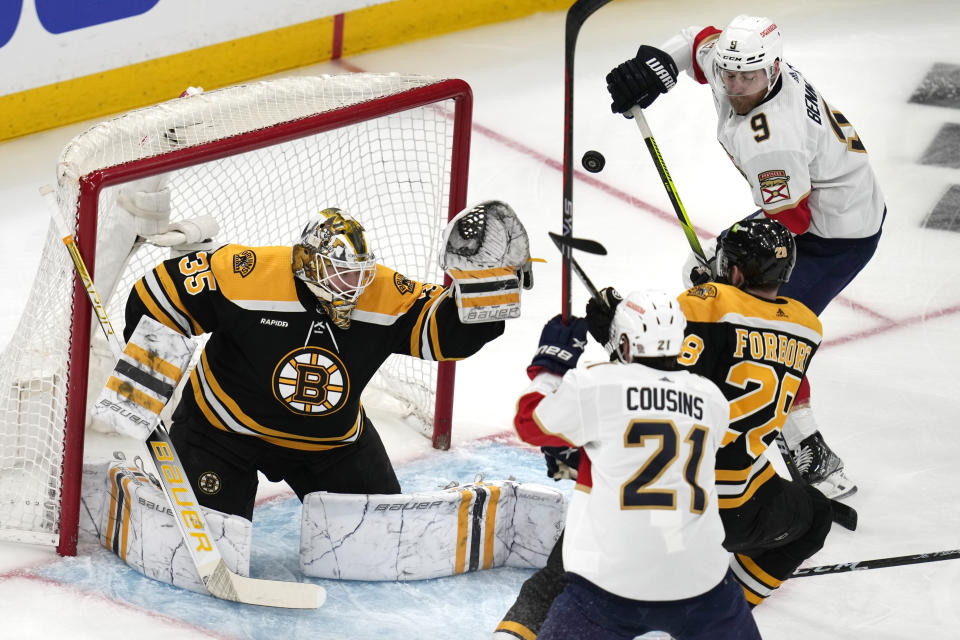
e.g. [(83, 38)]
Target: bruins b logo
[(311, 381), (404, 284), (244, 262), (703, 291)]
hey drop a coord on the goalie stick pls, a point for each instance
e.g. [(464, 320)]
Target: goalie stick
[(878, 563), (219, 580), (577, 14)]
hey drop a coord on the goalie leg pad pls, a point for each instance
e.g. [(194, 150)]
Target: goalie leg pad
[(144, 379), (137, 524), (429, 534)]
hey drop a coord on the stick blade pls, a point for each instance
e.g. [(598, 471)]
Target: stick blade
[(227, 585), (844, 515), (580, 244)]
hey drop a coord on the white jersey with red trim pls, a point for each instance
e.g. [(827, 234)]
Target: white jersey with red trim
[(644, 521), (803, 160)]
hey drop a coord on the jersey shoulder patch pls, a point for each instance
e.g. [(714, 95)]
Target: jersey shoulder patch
[(258, 278), (717, 302), (389, 296)]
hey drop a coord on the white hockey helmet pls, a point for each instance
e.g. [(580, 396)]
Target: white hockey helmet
[(750, 43), (647, 324), (333, 259)]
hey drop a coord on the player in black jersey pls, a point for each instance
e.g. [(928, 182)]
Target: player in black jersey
[(295, 336), (756, 346)]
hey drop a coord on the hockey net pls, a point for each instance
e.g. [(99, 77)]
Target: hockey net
[(260, 158)]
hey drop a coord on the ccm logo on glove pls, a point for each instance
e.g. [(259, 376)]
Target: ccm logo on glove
[(555, 351)]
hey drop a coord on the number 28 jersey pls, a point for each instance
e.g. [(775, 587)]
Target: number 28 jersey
[(757, 351), (643, 522)]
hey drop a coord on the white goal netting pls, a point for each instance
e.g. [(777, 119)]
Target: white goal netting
[(259, 158)]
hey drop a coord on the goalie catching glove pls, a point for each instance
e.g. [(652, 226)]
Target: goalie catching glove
[(487, 253), (144, 379)]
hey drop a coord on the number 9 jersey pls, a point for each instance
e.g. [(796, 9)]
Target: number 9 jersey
[(803, 159)]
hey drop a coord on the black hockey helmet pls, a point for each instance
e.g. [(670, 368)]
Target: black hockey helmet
[(764, 250)]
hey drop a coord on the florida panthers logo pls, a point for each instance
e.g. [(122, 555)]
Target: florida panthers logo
[(311, 381), (244, 262), (773, 186)]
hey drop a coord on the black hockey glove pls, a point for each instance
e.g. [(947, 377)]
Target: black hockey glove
[(561, 345), (702, 274), (600, 316), (641, 79), (562, 462)]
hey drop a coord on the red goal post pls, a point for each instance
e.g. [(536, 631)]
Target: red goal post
[(392, 149)]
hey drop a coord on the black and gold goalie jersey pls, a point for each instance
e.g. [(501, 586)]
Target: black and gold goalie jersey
[(757, 351), (274, 366)]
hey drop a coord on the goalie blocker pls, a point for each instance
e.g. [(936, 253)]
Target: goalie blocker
[(487, 254), (144, 379)]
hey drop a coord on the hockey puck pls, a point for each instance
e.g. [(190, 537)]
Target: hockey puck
[(593, 161)]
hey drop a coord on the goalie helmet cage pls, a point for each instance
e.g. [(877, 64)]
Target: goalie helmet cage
[(260, 157)]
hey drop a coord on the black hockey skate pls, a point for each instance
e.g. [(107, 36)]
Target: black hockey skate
[(820, 467)]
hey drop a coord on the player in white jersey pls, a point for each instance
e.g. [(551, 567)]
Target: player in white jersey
[(805, 165), (643, 541)]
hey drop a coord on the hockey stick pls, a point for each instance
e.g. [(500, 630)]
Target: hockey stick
[(577, 14), (567, 244), (878, 563), (219, 580), (688, 229), (580, 244)]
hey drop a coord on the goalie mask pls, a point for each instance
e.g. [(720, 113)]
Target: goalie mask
[(333, 259), (647, 324)]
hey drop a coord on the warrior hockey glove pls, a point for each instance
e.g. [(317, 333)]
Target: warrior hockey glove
[(640, 80), (599, 316), (561, 345)]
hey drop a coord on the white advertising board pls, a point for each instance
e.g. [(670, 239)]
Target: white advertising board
[(47, 41)]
